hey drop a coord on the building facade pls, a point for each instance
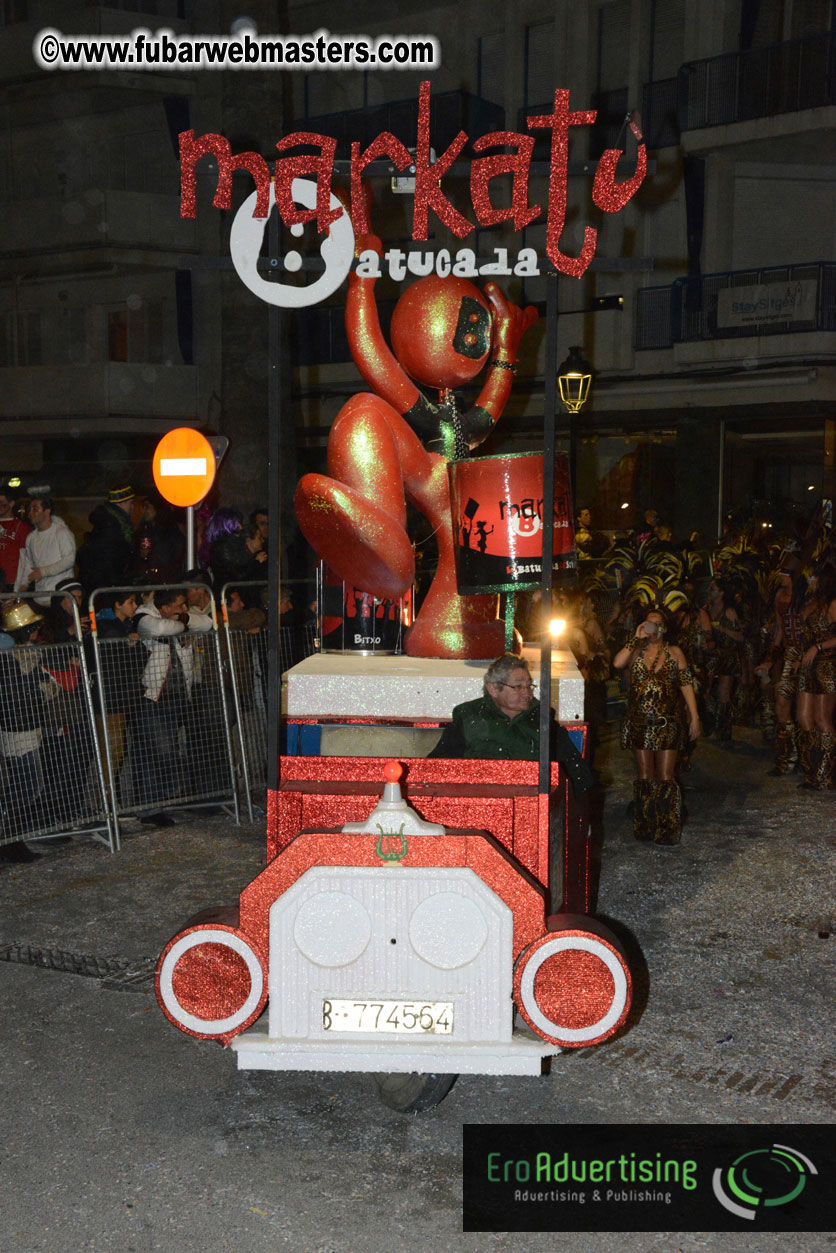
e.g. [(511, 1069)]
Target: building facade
[(708, 312)]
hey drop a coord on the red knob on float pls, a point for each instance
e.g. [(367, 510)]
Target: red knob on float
[(392, 771)]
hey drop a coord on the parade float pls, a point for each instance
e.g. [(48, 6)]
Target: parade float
[(405, 924)]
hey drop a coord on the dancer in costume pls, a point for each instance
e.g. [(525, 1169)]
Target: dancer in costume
[(692, 628), (660, 679), (783, 659), (817, 683), (724, 662)]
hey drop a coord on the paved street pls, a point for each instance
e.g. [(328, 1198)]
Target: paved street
[(122, 1133)]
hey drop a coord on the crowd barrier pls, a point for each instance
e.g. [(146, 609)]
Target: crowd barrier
[(51, 772), (108, 727), (163, 719)]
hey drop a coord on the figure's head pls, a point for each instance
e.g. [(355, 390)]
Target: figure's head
[(441, 331), (508, 683), (584, 518)]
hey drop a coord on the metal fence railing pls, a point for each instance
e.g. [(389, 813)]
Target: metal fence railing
[(163, 716), (51, 776), (124, 717)]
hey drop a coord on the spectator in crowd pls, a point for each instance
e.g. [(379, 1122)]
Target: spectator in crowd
[(261, 519), (13, 532), (167, 680), (119, 673), (505, 722), (22, 714), (207, 751), (251, 619), (106, 551), (61, 612), (49, 552), (644, 529), (237, 554), (159, 549), (589, 543), (248, 655), (199, 600)]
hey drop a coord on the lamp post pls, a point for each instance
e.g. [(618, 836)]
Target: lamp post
[(574, 378)]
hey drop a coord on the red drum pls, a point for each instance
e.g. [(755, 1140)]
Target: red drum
[(497, 514)]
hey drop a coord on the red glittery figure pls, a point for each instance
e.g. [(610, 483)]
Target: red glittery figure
[(392, 446)]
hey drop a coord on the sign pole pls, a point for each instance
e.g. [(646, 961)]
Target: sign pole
[(190, 537), (274, 421)]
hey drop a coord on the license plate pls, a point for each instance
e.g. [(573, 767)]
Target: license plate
[(400, 1017)]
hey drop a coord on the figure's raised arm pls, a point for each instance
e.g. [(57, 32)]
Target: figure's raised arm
[(372, 355), (509, 324)]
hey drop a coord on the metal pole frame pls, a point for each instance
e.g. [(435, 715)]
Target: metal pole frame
[(274, 559), (547, 559), (112, 829), (235, 692)]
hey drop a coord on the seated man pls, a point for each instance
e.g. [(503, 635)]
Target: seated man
[(505, 722)]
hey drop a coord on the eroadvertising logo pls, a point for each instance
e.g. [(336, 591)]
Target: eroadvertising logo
[(648, 1178), (762, 1178)]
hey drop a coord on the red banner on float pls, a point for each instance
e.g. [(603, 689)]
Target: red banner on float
[(497, 513)]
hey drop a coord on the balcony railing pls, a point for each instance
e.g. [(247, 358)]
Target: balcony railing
[(450, 112), (759, 82), (777, 300)]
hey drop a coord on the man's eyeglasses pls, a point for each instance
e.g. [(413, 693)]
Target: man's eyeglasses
[(519, 687)]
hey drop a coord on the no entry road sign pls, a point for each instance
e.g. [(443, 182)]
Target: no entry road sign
[(184, 467)]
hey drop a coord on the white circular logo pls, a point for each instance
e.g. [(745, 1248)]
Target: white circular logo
[(525, 526), (336, 249)]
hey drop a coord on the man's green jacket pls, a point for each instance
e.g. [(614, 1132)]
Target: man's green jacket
[(479, 728)]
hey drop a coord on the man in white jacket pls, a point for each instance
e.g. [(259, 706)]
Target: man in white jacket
[(165, 629), (48, 555)]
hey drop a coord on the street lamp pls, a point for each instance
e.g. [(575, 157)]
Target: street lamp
[(574, 379)]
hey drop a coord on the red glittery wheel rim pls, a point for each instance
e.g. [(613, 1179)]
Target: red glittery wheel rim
[(573, 987), (211, 982)]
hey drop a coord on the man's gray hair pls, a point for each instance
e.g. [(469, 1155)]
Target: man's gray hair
[(499, 671)]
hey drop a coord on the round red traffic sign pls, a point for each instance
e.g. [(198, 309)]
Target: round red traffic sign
[(184, 467)]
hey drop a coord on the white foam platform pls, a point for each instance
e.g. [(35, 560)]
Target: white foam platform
[(410, 689), (522, 1056)]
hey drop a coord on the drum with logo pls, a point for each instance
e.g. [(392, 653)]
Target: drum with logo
[(353, 621), (497, 508)]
